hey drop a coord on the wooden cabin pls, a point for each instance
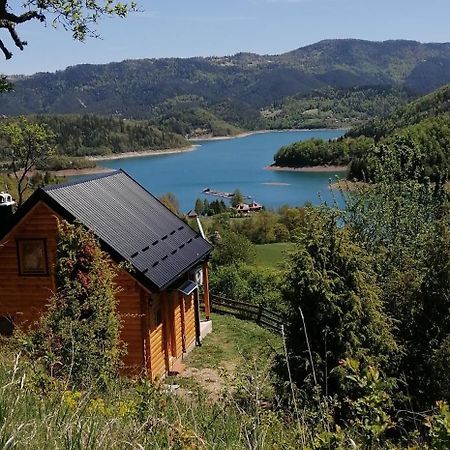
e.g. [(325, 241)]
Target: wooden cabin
[(159, 298)]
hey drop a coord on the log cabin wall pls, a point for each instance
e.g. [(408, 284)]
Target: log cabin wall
[(189, 318), (129, 308), (24, 298), (157, 338), (176, 306)]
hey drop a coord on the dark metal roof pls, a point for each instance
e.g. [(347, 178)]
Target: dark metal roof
[(133, 224)]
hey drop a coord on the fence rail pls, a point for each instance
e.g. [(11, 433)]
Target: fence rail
[(243, 310)]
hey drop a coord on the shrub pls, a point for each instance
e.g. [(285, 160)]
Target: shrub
[(78, 338)]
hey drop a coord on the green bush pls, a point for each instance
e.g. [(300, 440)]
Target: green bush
[(77, 340)]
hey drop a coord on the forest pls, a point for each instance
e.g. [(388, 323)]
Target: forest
[(73, 137), (423, 122)]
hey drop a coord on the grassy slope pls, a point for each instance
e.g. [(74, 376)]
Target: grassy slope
[(272, 255), (134, 414), (232, 342)]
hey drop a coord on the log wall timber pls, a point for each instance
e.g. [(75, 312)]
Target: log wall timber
[(129, 308), (189, 320), (24, 298), (157, 341), (178, 332), (206, 297), (183, 321)]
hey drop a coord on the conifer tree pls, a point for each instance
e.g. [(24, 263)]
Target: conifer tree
[(331, 291)]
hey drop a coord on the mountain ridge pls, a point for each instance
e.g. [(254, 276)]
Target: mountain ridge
[(235, 89)]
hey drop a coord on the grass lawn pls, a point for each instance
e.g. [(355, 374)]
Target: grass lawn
[(232, 342), (272, 255)]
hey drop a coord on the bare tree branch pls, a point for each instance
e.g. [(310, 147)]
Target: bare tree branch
[(71, 14), (6, 52)]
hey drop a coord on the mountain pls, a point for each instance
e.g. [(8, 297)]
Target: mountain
[(231, 91)]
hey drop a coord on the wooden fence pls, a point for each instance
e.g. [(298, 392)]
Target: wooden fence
[(243, 310)]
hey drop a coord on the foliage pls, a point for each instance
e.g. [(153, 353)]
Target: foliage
[(331, 290), (73, 15), (332, 107), (77, 340), (410, 114), (402, 221), (425, 122), (370, 403), (431, 136), (238, 197), (59, 162), (317, 152), (38, 179), (199, 206), (171, 202), (248, 284), (5, 85), (232, 248), (439, 427), (89, 135), (205, 208), (24, 145)]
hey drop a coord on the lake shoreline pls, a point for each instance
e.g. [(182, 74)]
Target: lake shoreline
[(143, 153), (98, 169), (244, 134), (309, 169)]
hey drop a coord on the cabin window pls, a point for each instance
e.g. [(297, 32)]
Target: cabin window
[(32, 255), (6, 326)]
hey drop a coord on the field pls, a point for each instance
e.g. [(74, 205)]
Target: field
[(272, 255)]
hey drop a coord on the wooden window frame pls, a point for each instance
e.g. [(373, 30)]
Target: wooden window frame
[(19, 243)]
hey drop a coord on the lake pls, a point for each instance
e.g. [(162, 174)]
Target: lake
[(225, 165)]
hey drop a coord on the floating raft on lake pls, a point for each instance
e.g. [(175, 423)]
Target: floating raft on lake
[(228, 195)]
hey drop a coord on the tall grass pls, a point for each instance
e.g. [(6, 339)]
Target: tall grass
[(136, 414)]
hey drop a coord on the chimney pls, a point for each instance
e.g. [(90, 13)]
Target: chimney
[(7, 205)]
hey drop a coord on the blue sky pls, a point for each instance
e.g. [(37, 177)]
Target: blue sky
[(186, 28)]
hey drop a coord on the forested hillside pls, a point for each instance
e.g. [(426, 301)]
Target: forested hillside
[(423, 123), (218, 95), (76, 136)]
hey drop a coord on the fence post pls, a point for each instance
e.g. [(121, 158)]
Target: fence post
[(260, 311)]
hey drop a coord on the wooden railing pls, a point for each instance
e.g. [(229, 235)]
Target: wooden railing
[(261, 315)]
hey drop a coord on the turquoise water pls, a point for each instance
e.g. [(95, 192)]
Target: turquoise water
[(230, 164)]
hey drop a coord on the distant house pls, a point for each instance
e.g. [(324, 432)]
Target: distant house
[(159, 301), (255, 207), (192, 214), (244, 208)]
